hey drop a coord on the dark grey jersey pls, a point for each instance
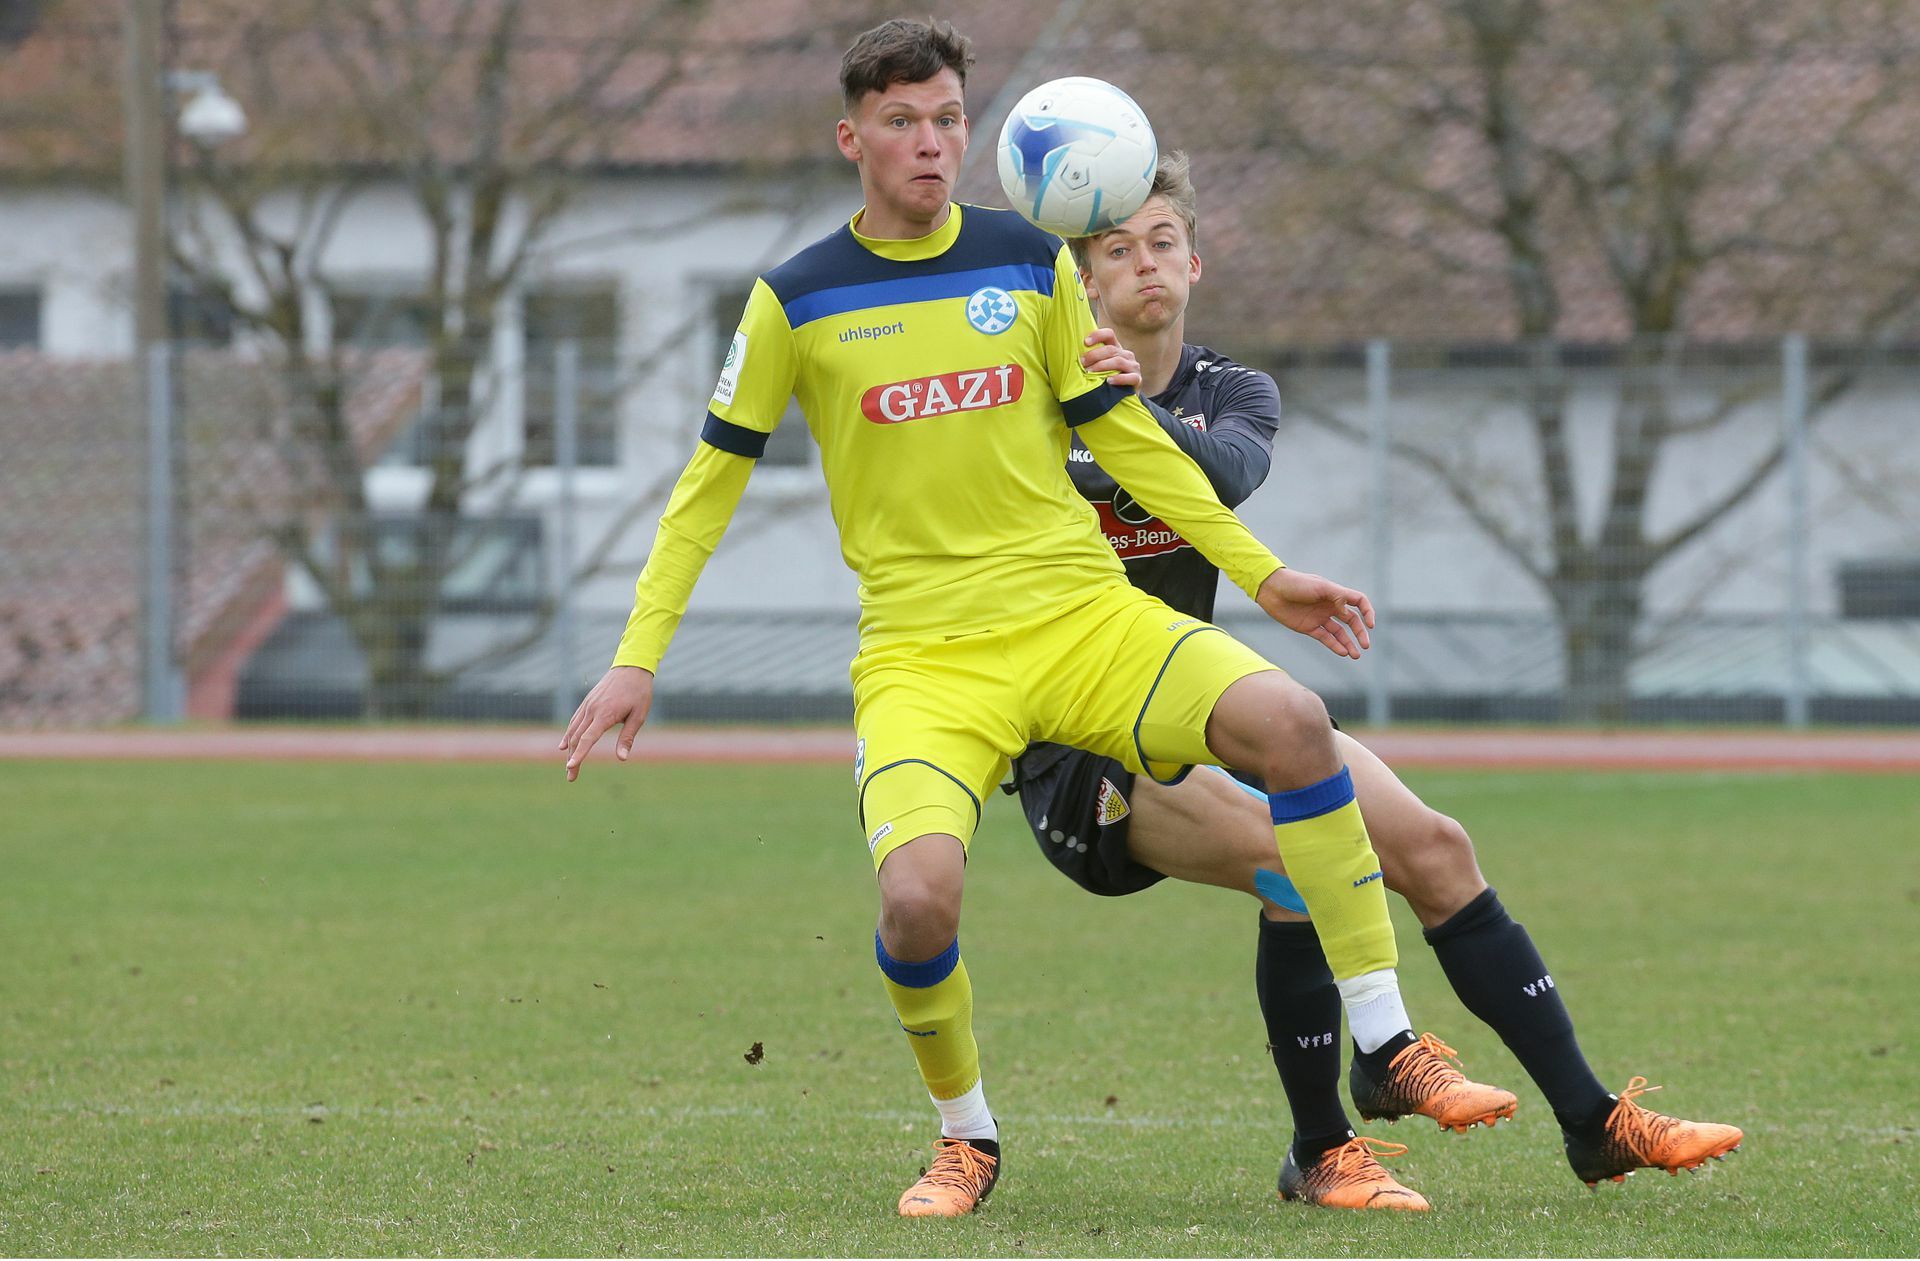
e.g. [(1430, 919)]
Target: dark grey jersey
[(1223, 415)]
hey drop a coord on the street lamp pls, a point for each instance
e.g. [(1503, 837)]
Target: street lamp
[(211, 116)]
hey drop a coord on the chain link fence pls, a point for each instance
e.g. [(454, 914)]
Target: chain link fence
[(1649, 532)]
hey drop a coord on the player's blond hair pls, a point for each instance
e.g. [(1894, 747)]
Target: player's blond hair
[(1171, 180)]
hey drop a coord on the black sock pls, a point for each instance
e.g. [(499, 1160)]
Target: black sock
[(1302, 1009), (1495, 969), (1377, 1060)]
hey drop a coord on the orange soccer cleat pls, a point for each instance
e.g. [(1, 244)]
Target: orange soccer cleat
[(1351, 1176), (1420, 1081), (963, 1171), (1639, 1138)]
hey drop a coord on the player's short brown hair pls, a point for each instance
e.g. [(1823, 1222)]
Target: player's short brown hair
[(1172, 181), (902, 51)]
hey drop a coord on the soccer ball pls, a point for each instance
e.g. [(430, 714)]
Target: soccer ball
[(1077, 157)]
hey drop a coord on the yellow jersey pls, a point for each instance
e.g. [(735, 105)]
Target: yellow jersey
[(941, 378)]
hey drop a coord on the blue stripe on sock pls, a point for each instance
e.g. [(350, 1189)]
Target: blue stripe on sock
[(1312, 801), (917, 976)]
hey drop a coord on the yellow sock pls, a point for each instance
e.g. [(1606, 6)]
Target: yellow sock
[(1324, 844), (934, 1001)]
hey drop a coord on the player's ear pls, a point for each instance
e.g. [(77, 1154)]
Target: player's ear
[(1086, 282), (848, 142), (1193, 268)]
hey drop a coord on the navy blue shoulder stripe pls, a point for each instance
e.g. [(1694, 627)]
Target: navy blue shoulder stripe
[(1092, 405), (842, 299), (838, 274), (1004, 229), (733, 439)]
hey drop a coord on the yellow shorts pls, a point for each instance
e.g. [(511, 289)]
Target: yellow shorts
[(1121, 675)]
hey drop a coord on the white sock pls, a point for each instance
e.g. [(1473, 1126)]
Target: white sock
[(967, 1116), (1375, 1014)]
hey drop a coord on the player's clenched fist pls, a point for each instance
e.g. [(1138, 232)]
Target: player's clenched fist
[(1337, 616), (620, 699)]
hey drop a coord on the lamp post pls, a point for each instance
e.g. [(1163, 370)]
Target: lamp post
[(162, 693), (208, 118)]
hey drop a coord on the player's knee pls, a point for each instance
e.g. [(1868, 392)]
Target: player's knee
[(1298, 748), (1450, 846), (919, 912), (1435, 871)]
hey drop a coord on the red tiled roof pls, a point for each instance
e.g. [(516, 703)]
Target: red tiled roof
[(745, 81), (1224, 81), (1306, 252)]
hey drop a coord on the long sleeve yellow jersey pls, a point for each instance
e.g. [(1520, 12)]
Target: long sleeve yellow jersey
[(941, 377)]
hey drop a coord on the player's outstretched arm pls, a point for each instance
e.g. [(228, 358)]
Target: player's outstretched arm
[(620, 699), (1337, 616)]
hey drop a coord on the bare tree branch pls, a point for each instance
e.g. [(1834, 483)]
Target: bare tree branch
[(1459, 488)]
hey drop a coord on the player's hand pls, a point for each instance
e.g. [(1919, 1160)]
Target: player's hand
[(620, 699), (1108, 355), (1337, 616)]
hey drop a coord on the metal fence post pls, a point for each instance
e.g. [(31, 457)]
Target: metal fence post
[(1380, 517), (162, 693), (1793, 407), (566, 456)]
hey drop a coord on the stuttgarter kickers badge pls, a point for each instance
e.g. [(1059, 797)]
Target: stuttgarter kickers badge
[(992, 310), (1109, 807)]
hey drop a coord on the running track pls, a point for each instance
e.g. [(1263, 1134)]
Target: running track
[(1896, 751)]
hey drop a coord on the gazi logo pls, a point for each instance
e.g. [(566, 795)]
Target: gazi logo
[(969, 391)]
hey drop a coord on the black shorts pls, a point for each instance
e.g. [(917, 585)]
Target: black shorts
[(1078, 806)]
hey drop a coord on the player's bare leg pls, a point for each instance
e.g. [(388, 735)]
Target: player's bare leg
[(1429, 860), (1497, 971), (1270, 725), (1209, 831), (918, 949)]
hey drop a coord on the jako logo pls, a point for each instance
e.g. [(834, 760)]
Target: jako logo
[(1535, 989), (973, 390)]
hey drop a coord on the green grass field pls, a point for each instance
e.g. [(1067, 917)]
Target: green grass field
[(326, 1009)]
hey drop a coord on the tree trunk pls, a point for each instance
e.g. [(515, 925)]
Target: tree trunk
[(1597, 620), (398, 685), (391, 625)]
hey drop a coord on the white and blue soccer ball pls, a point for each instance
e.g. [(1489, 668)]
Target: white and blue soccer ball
[(1077, 157)]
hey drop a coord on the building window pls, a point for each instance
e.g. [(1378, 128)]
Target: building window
[(385, 320), (19, 319), (791, 446), (490, 564), (199, 317), (590, 319)]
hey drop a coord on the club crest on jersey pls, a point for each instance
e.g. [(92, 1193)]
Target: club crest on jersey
[(1109, 807), (992, 310), (973, 390)]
